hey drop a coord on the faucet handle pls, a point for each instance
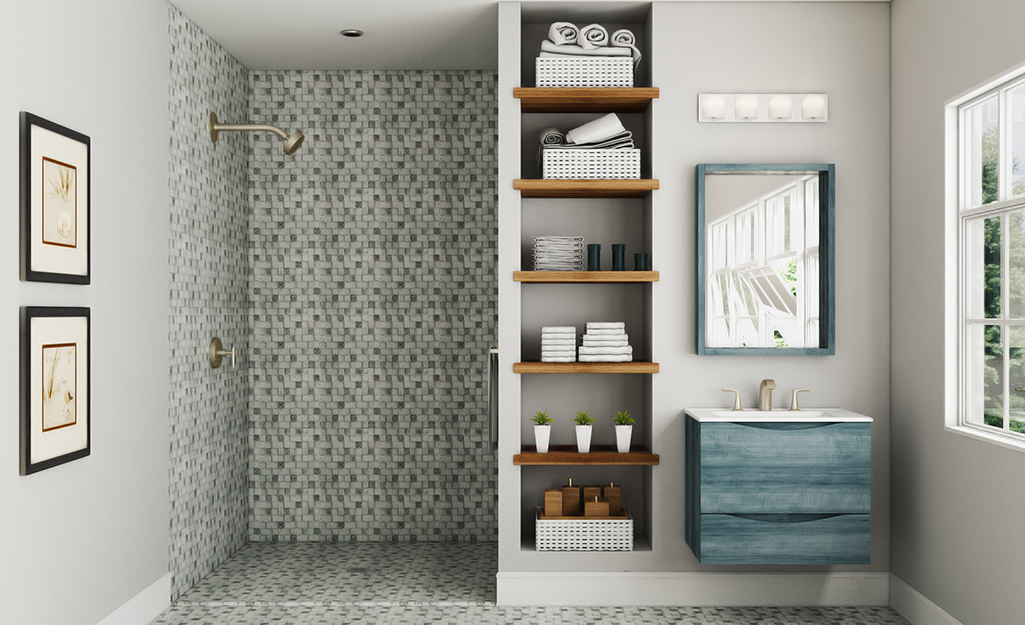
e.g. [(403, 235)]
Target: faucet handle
[(793, 401), (736, 397)]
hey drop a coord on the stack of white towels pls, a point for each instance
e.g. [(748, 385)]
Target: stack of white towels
[(555, 253), (558, 344), (606, 341), (605, 133), (593, 40)]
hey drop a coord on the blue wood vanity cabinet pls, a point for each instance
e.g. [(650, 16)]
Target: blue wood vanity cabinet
[(792, 489)]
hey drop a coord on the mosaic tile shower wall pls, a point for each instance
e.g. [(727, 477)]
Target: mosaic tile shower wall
[(209, 297), (373, 298)]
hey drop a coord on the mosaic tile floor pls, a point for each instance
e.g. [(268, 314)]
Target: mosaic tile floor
[(422, 583)]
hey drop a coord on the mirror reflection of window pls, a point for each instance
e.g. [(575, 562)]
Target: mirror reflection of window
[(764, 262)]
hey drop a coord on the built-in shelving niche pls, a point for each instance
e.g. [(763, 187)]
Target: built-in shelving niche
[(625, 219)]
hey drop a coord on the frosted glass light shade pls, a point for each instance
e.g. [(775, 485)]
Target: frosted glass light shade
[(813, 107), (745, 107), (713, 107), (781, 107)]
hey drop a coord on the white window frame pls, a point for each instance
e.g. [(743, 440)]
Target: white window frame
[(959, 215)]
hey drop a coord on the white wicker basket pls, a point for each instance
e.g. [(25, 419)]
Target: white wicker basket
[(615, 71), (585, 534), (590, 164)]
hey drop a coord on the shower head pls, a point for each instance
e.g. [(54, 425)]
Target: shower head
[(292, 143)]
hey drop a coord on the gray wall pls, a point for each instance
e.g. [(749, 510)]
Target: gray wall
[(96, 528), (372, 306), (209, 242), (843, 50), (957, 502)]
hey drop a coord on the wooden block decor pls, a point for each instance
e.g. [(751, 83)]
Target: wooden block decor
[(553, 502), (613, 495), (570, 499), (596, 508), (591, 493)]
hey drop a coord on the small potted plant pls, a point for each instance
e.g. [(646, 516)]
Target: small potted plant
[(583, 421), (542, 430), (624, 430)]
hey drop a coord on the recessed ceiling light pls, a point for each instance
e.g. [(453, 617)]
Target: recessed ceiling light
[(352, 32)]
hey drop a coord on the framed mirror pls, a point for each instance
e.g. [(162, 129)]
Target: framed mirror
[(765, 259)]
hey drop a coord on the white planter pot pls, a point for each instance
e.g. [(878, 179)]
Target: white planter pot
[(583, 438), (623, 434), (542, 434)]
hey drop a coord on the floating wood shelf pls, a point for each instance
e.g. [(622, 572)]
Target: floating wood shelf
[(630, 187), (585, 367), (604, 455), (585, 100), (576, 277)]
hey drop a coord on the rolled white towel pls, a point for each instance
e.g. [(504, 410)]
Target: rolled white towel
[(563, 33), (593, 358), (606, 325), (595, 343), (624, 38), (553, 359), (608, 351), (558, 329), (606, 333), (551, 136), (549, 48), (597, 130), (593, 36)]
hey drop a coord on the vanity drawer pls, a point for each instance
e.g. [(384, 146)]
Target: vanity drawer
[(784, 539), (779, 467)]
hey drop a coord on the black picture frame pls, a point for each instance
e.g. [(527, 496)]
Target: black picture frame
[(33, 234), (34, 431)]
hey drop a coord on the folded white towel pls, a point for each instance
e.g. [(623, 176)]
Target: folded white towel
[(550, 49), (568, 354), (624, 38), (552, 136), (593, 358), (622, 141), (562, 33), (558, 330), (606, 325), (598, 130), (618, 351), (606, 333), (558, 335), (549, 343), (553, 359), (593, 36), (590, 342)]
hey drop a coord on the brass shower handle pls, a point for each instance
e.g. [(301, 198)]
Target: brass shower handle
[(217, 353)]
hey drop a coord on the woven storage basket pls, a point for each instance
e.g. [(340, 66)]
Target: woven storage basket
[(585, 534), (585, 72), (591, 164)]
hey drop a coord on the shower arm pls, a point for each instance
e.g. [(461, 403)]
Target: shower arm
[(215, 128)]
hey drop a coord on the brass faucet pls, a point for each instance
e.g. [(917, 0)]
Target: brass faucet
[(765, 395)]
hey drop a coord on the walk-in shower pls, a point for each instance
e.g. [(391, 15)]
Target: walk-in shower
[(292, 142)]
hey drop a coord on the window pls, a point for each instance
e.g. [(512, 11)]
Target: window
[(765, 270), (990, 201)]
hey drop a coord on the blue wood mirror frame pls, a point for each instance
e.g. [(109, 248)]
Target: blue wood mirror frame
[(824, 174)]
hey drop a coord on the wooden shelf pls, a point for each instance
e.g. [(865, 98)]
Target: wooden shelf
[(585, 367), (579, 277), (630, 187), (585, 100), (600, 455)]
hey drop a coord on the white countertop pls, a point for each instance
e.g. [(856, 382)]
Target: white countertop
[(811, 415)]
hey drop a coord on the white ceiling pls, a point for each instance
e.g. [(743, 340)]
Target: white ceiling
[(400, 34)]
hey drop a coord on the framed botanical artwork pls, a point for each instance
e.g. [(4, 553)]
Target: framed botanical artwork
[(55, 207), (55, 419)]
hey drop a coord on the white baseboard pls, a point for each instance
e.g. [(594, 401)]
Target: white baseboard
[(143, 607), (694, 589), (915, 607)]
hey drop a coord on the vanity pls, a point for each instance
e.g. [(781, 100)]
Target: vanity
[(778, 487)]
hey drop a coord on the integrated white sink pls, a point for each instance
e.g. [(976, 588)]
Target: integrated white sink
[(817, 415)]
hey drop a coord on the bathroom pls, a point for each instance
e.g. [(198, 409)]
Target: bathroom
[(363, 280)]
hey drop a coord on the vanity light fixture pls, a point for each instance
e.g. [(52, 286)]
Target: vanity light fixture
[(763, 107)]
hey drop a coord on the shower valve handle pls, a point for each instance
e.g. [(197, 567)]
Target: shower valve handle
[(217, 353)]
